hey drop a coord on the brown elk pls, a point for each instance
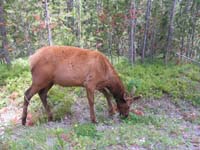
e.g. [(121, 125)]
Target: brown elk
[(72, 66)]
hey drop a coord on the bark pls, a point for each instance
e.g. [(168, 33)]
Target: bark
[(47, 19), (194, 20), (153, 37), (109, 34), (70, 5), (170, 32), (4, 52), (132, 50), (69, 19), (187, 8), (182, 47), (147, 16), (79, 23)]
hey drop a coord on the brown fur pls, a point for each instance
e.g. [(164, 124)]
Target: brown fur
[(72, 66)]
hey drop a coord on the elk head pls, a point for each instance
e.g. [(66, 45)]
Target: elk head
[(124, 107)]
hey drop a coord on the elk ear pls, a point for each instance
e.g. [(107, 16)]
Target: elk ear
[(126, 96), (134, 99), (133, 91)]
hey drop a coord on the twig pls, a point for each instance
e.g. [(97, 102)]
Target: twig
[(194, 61)]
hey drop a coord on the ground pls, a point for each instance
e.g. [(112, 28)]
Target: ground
[(168, 125)]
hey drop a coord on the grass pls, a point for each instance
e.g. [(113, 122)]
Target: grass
[(17, 78), (156, 80), (152, 80), (89, 136), (149, 79)]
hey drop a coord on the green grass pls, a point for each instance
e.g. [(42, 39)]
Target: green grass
[(152, 80), (156, 80), (89, 136), (149, 79), (87, 129), (17, 78)]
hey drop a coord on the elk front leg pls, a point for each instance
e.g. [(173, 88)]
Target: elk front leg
[(108, 96), (90, 96)]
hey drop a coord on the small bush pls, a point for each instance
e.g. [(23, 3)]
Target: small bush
[(86, 130), (136, 119), (18, 67)]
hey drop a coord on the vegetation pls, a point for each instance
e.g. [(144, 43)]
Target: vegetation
[(155, 48), (152, 80), (130, 28), (155, 80)]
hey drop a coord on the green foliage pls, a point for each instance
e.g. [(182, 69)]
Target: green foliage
[(87, 129), (88, 136), (58, 133), (136, 119), (18, 69), (155, 80), (17, 78), (61, 101)]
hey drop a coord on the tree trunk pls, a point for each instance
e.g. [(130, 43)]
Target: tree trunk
[(109, 34), (70, 5), (153, 36), (170, 32), (47, 21), (132, 51), (147, 16), (194, 20), (70, 19), (187, 8), (79, 23), (4, 52)]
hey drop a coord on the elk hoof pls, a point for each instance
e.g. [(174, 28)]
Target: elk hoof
[(111, 112), (50, 118), (23, 122), (94, 121)]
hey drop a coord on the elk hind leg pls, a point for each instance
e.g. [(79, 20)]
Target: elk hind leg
[(27, 97)]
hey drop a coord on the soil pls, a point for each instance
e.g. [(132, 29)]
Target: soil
[(183, 111)]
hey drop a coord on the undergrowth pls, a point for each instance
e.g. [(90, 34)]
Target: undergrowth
[(156, 80), (17, 79), (142, 132), (152, 80)]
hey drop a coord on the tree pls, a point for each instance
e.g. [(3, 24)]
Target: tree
[(106, 25), (4, 52), (47, 21), (170, 32), (144, 46), (132, 49)]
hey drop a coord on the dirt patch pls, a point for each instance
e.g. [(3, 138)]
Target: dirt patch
[(186, 117), (182, 112), (9, 115)]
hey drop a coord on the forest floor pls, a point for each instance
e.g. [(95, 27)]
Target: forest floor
[(178, 126), (169, 119)]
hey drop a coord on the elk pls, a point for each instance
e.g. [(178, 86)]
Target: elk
[(71, 66)]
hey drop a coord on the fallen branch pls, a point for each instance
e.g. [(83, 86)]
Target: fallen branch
[(183, 56)]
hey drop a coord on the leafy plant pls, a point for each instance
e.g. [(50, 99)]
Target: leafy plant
[(87, 129), (156, 80), (136, 119)]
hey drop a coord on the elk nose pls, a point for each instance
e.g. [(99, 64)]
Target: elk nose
[(126, 115)]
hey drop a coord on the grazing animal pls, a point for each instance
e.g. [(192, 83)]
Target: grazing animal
[(72, 66)]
